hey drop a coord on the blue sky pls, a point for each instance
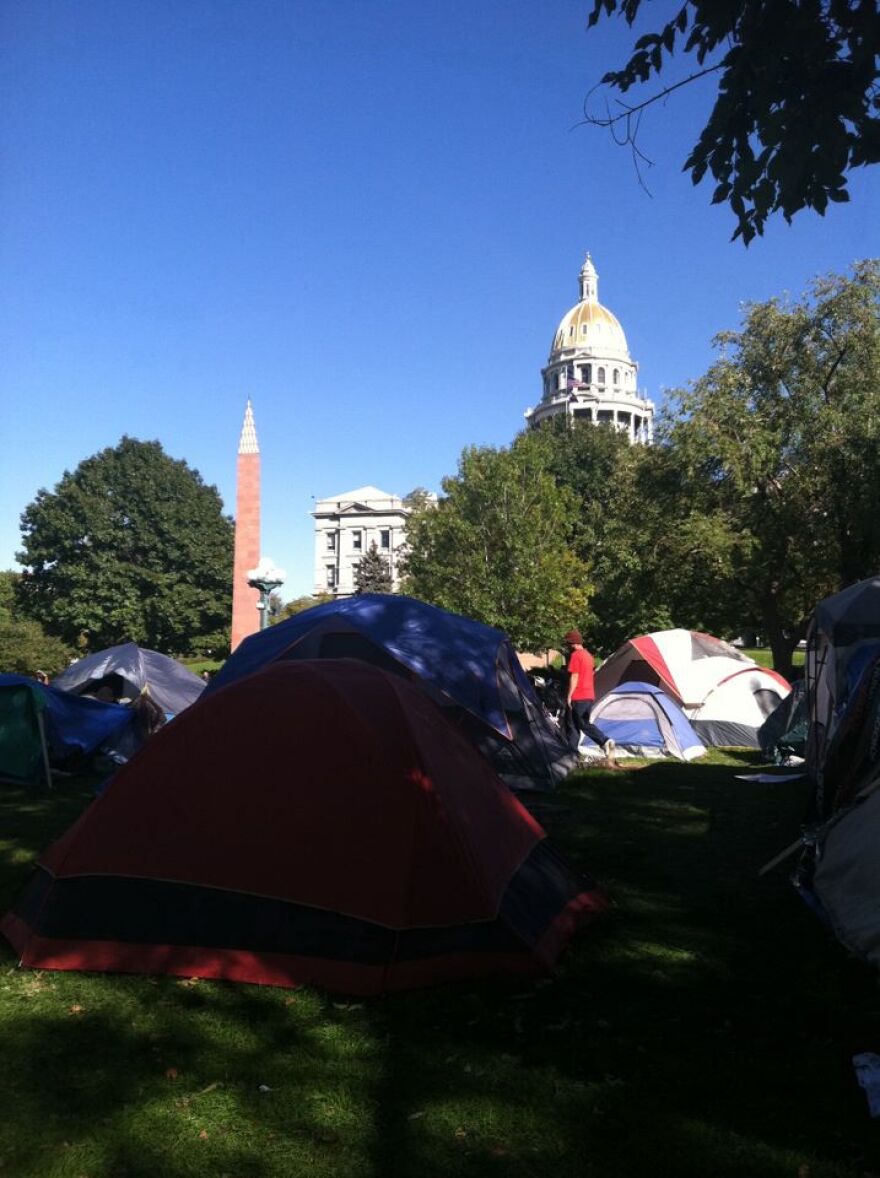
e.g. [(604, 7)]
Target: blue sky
[(368, 216)]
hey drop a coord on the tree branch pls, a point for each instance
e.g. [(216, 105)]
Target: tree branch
[(629, 111)]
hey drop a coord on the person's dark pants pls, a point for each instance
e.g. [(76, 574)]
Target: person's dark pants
[(580, 715)]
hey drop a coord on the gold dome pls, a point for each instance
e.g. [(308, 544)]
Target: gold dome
[(588, 325)]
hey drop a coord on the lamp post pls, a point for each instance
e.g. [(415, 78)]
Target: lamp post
[(266, 578)]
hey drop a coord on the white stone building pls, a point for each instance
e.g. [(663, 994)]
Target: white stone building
[(345, 527), (590, 374)]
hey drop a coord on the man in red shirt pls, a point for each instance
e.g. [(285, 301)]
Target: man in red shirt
[(582, 694)]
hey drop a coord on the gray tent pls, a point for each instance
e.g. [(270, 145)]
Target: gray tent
[(168, 683), (843, 638), (846, 875), (784, 733)]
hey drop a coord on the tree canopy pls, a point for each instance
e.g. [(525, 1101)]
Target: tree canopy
[(616, 520), (24, 646), (299, 604), (797, 99), (497, 545), (777, 453), (130, 546)]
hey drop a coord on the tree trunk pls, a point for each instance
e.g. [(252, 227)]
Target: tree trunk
[(781, 644)]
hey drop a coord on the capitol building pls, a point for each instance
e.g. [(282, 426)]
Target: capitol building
[(590, 375)]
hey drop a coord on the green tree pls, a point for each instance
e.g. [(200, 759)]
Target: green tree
[(777, 455), (299, 604), (25, 647), (615, 529), (496, 547), (797, 98), (9, 579), (131, 546), (372, 573), (418, 498), (276, 605)]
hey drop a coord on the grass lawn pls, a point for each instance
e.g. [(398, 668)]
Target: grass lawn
[(764, 657), (704, 1029), (197, 665)]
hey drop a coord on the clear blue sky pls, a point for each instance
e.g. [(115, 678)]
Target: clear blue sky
[(368, 216)]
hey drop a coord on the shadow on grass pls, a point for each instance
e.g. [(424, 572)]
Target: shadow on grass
[(30, 819), (178, 1077), (706, 1026)]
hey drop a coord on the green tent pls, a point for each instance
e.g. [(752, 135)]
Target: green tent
[(24, 757)]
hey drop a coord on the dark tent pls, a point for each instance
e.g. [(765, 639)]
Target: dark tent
[(136, 669), (784, 733), (842, 638), (469, 669), (41, 727), (315, 822)]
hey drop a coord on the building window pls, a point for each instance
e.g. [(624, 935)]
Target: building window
[(331, 541), (385, 538), (583, 329), (617, 376), (357, 540), (587, 373), (331, 576), (601, 376)]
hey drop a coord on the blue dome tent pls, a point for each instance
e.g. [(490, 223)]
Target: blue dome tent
[(646, 722)]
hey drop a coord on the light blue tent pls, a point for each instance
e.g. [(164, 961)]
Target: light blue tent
[(643, 720), (470, 670), (170, 685)]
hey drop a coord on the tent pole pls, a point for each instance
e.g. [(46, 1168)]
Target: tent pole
[(44, 749)]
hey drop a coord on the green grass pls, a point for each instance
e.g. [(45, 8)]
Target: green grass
[(197, 665), (705, 1028), (764, 657)]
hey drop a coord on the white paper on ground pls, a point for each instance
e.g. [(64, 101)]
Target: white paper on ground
[(766, 777)]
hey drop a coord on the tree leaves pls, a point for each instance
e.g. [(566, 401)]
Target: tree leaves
[(797, 101), (496, 547), (778, 446), (131, 546)]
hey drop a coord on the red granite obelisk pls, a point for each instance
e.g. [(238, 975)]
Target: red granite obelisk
[(245, 615)]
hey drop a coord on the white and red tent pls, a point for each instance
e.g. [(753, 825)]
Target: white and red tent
[(725, 694)]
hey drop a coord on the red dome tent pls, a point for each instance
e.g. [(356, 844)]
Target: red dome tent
[(315, 822)]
